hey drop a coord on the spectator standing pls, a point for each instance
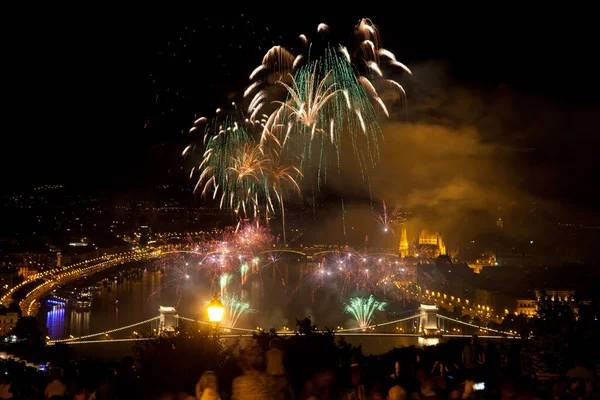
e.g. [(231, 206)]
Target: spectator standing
[(207, 387), (396, 393), (253, 384), (472, 357), (356, 391), (56, 387), (319, 387), (5, 388), (276, 369)]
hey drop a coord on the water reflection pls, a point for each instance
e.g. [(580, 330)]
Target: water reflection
[(55, 322), (79, 323), (134, 299)]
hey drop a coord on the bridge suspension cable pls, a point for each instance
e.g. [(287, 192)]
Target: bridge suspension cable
[(473, 325), (138, 339), (222, 327), (252, 331), (105, 332), (378, 325)]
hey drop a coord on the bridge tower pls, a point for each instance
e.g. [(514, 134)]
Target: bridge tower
[(168, 319), (428, 325)]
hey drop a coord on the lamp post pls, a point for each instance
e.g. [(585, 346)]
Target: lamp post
[(215, 312)]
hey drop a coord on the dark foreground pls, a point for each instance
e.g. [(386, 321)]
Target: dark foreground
[(310, 366)]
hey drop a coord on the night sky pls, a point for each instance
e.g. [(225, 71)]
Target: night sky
[(84, 108)]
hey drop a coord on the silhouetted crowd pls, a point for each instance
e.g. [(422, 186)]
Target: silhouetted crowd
[(474, 372)]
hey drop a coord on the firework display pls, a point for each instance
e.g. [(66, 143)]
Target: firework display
[(325, 109), (303, 110), (365, 59), (326, 97), (363, 309), (230, 260), (232, 166), (351, 269), (386, 220)]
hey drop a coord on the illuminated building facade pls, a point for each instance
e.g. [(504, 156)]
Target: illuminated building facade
[(433, 243), (8, 278), (28, 263), (426, 238), (427, 246), (7, 322), (527, 307), (562, 295), (487, 259)]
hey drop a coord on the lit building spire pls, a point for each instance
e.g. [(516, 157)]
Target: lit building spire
[(442, 246), (403, 248)]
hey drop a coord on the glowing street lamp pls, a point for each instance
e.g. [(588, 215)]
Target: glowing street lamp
[(215, 310)]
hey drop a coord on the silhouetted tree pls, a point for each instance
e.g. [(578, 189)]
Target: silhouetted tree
[(553, 329), (175, 361), (310, 351), (27, 329), (456, 312), (305, 326), (517, 323), (264, 338)]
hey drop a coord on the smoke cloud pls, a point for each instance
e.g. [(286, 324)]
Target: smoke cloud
[(458, 157)]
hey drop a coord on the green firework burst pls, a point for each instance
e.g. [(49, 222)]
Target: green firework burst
[(234, 309), (363, 309), (232, 166), (327, 108)]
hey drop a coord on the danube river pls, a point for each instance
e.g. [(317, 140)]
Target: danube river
[(137, 297)]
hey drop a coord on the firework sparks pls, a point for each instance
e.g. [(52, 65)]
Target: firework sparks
[(311, 86), (234, 309), (307, 102), (366, 58), (244, 273), (224, 280), (232, 167), (281, 178), (323, 28), (363, 309), (386, 220), (325, 103)]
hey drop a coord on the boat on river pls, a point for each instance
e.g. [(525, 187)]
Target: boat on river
[(78, 299)]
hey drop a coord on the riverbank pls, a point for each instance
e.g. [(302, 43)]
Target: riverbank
[(29, 305)]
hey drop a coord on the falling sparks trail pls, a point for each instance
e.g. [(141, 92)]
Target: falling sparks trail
[(344, 217)]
